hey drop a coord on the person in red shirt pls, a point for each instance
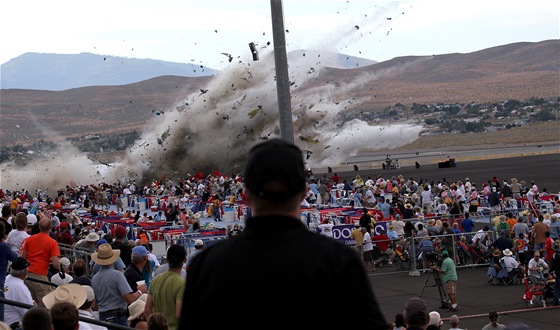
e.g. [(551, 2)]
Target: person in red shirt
[(383, 242), (548, 247), (335, 179)]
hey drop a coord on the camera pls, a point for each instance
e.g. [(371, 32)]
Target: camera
[(434, 258)]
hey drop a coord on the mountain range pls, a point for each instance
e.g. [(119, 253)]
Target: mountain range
[(57, 72), (33, 112)]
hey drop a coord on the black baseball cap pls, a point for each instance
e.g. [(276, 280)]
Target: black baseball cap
[(275, 170), (20, 264)]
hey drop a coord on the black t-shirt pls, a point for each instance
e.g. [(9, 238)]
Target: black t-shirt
[(126, 251), (133, 275), (277, 262), (7, 226)]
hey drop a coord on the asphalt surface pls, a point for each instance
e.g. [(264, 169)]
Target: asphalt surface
[(543, 169), (476, 297)]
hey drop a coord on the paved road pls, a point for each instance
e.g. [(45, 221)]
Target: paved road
[(476, 297), (543, 169)]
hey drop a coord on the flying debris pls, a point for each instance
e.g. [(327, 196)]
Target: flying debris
[(163, 137), (357, 27), (308, 139), (254, 51), (157, 112), (203, 91), (230, 58), (389, 18), (106, 164), (254, 112)]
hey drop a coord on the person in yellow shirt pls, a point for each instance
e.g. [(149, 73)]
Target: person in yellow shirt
[(357, 236)]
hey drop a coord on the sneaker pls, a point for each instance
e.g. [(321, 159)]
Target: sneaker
[(390, 262)]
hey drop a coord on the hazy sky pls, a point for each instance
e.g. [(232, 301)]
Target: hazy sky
[(196, 31)]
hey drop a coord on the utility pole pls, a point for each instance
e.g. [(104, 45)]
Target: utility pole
[(282, 80)]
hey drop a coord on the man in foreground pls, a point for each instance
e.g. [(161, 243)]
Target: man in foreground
[(277, 269)]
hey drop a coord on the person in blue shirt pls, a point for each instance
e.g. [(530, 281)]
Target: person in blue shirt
[(467, 224)]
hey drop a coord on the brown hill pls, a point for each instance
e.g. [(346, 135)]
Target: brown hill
[(516, 71)]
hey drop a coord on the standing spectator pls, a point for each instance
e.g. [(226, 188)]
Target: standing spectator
[(15, 289), (521, 227), (119, 244), (368, 251), (165, 295), (548, 251), (133, 272), (539, 237), (425, 247), (16, 237), (277, 256), (63, 277), (217, 206), (555, 268), (86, 310), (467, 224), (494, 325), (358, 238), (198, 247), (6, 214), (521, 246), (40, 250), (365, 220), (79, 268), (426, 197), (449, 278), (112, 290), (554, 227)]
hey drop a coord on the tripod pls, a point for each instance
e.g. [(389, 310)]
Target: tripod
[(445, 302)]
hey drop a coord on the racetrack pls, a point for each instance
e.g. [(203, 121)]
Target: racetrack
[(543, 169)]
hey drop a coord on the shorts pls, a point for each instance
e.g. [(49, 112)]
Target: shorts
[(368, 255), (451, 287)]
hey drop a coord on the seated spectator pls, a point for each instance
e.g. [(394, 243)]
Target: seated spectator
[(383, 242), (63, 277), (37, 318)]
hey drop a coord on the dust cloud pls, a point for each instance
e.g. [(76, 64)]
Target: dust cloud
[(213, 128)]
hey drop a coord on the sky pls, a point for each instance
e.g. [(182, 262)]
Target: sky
[(215, 126), (196, 31)]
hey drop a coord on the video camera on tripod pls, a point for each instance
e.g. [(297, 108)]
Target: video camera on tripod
[(434, 258)]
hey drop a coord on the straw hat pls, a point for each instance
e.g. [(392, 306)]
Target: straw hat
[(105, 255), (514, 180), (72, 293), (136, 308), (547, 216), (431, 222), (496, 253), (507, 252)]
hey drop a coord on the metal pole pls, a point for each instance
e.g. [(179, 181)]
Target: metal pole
[(282, 80)]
